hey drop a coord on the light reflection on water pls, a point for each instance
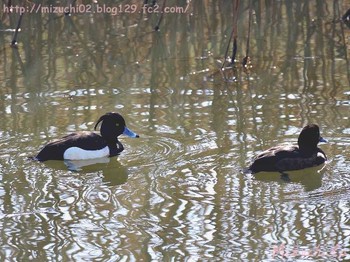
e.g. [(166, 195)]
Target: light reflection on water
[(179, 191)]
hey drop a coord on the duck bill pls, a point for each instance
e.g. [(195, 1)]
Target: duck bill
[(323, 140), (129, 133)]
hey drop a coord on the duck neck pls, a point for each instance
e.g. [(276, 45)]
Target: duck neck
[(115, 148), (307, 151)]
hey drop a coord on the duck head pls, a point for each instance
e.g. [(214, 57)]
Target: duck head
[(309, 138), (112, 126)]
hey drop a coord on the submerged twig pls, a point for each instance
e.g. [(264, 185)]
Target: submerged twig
[(232, 36), (226, 52), (235, 19), (145, 2), (246, 60), (156, 28), (346, 18), (14, 38), (69, 4)]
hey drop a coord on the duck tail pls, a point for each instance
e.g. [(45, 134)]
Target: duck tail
[(33, 158), (247, 170)]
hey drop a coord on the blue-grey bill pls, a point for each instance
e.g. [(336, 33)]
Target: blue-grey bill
[(323, 140), (129, 133)]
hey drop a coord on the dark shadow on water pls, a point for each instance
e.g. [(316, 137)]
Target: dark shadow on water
[(113, 172), (310, 178)]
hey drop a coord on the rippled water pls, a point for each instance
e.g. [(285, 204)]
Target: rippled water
[(179, 192)]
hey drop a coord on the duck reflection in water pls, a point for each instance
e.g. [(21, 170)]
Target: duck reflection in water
[(310, 178), (111, 170)]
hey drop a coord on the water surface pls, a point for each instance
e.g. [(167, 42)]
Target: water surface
[(179, 191)]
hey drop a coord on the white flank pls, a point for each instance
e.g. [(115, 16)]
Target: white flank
[(76, 153)]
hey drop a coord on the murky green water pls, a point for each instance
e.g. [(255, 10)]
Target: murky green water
[(178, 192)]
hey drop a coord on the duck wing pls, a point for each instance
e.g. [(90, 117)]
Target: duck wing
[(270, 160)]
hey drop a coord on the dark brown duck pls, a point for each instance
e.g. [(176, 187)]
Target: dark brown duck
[(292, 157)]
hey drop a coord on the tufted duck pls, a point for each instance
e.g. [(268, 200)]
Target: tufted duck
[(89, 145), (286, 158)]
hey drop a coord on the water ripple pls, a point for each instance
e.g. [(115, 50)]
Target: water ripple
[(157, 150)]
